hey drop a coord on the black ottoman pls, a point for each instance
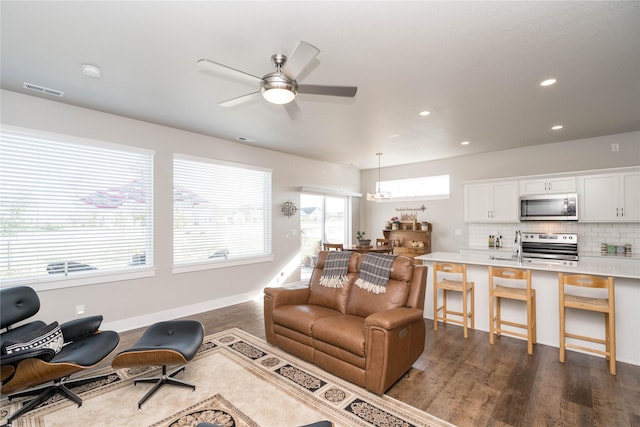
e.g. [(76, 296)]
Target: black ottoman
[(175, 342)]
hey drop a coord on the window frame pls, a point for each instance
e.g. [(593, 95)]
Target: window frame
[(214, 263), (51, 282), (385, 186)]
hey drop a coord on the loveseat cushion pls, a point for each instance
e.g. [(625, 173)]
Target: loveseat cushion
[(301, 318), (363, 303), (344, 331), (334, 298)]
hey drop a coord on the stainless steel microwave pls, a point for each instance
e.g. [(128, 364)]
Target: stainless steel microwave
[(549, 207)]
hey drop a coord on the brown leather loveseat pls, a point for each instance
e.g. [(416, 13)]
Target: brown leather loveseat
[(370, 339)]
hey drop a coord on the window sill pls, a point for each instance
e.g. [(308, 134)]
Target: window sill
[(50, 283), (208, 265)]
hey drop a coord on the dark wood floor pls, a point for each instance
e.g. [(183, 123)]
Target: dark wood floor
[(470, 383)]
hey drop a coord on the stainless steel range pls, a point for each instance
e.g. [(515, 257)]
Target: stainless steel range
[(550, 248)]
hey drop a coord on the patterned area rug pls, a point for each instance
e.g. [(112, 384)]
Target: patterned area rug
[(240, 381)]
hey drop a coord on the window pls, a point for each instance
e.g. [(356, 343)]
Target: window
[(426, 187), (71, 208), (221, 213)]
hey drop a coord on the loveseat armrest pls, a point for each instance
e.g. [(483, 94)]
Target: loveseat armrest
[(394, 340), (394, 318), (278, 297), (286, 296)]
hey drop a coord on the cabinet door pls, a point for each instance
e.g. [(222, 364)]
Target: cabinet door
[(598, 198), (630, 196), (535, 186), (505, 202), (477, 203), (562, 185), (550, 185), (495, 202)]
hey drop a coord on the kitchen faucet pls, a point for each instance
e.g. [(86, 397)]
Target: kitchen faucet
[(518, 242)]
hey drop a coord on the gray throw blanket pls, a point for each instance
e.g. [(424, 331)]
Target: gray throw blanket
[(375, 270), (336, 266)]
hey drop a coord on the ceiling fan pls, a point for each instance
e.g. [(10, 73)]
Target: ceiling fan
[(280, 86)]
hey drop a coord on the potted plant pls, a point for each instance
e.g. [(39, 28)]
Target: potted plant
[(361, 240), (395, 223)]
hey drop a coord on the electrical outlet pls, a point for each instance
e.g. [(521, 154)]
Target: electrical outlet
[(79, 309), (615, 147), (457, 232)]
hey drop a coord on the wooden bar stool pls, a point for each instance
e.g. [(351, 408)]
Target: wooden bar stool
[(601, 305), (446, 284), (499, 291)]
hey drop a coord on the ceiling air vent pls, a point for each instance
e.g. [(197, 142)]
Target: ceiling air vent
[(245, 139), (43, 89)]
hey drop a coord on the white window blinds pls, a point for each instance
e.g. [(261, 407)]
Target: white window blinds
[(221, 211), (72, 208)]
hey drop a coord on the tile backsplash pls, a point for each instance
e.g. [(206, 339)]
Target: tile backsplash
[(590, 235)]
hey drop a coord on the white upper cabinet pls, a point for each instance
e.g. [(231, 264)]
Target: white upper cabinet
[(491, 202), (613, 197), (548, 185)]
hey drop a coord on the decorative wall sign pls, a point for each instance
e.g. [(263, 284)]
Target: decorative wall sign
[(421, 208)]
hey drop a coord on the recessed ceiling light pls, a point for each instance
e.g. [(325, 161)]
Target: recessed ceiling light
[(556, 127), (465, 143), (548, 82), (424, 113), (91, 71)]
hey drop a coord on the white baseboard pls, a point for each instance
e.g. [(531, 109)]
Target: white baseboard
[(177, 312)]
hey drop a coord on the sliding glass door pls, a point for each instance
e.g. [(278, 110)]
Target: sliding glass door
[(322, 219)]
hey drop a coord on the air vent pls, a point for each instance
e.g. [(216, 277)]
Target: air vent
[(42, 89), (245, 139)]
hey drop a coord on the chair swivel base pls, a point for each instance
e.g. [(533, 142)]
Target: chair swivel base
[(162, 380), (43, 393)]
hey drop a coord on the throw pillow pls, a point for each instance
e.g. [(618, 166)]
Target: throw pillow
[(48, 337)]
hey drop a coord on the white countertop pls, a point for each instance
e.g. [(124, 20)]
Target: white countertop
[(601, 266)]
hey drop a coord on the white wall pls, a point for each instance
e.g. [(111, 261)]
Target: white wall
[(448, 215), (134, 303)]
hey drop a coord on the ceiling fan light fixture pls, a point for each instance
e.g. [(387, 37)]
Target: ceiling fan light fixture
[(277, 88), (278, 95)]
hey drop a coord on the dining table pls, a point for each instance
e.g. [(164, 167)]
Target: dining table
[(369, 249)]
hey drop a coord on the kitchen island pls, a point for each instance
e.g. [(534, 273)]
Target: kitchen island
[(545, 281)]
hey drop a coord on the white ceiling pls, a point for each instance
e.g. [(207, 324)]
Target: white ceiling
[(475, 65)]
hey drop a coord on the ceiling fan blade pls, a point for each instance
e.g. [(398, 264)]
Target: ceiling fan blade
[(293, 109), (348, 91), (302, 56), (226, 70), (238, 100)]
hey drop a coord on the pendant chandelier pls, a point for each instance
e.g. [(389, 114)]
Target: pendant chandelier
[(378, 195)]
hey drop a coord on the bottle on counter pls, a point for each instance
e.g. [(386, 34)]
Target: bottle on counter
[(491, 241), (498, 242)]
